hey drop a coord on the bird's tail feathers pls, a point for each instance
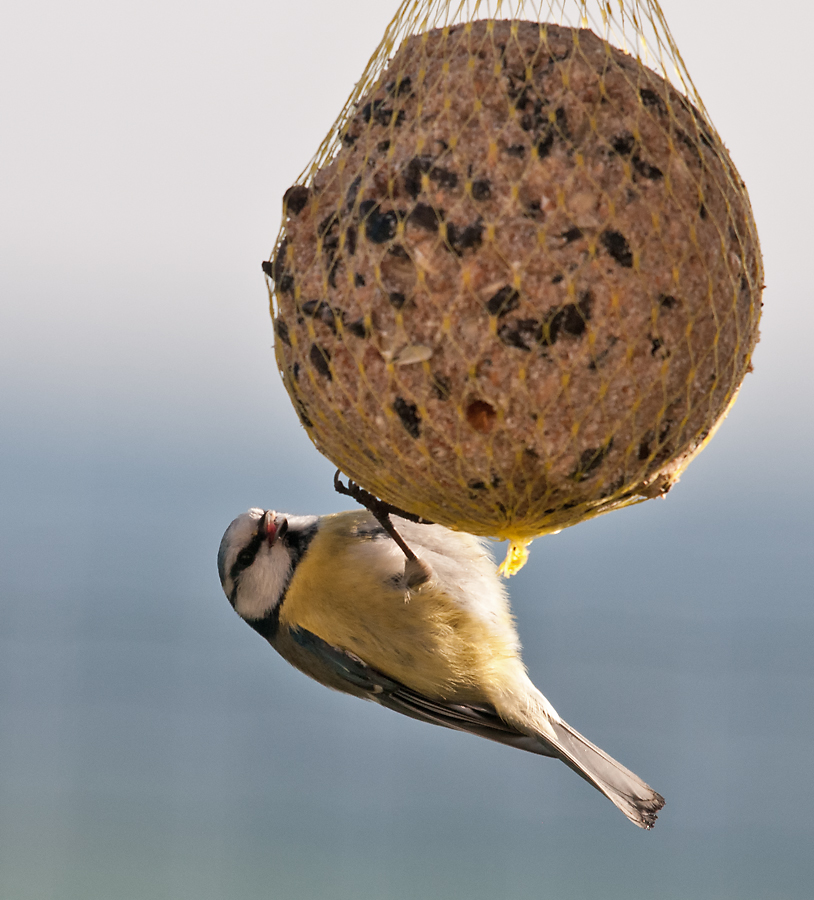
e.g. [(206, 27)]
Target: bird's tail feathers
[(637, 800)]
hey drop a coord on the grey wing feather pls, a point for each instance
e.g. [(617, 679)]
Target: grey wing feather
[(481, 719), (637, 800)]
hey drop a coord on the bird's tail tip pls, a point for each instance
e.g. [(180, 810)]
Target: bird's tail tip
[(646, 811), (637, 800)]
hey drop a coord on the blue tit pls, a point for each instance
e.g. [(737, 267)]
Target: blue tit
[(332, 595)]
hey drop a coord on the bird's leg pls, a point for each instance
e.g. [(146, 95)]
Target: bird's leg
[(416, 572)]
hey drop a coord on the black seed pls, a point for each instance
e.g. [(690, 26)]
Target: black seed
[(533, 211), (552, 326), (443, 177), (370, 109), (408, 413), (644, 450), (321, 311), (666, 301), (651, 98), (295, 371), (348, 140), (572, 234), (397, 299), (424, 216), (400, 87), (518, 150), (545, 145), (321, 361), (645, 169), (295, 198), (303, 414), (417, 166), (357, 328), (617, 246), (326, 315), (268, 268), (576, 315), (286, 284), (332, 272), (481, 190), (557, 279), (441, 386), (380, 227), (477, 485), (561, 121), (330, 246), (383, 146), (358, 279), (689, 142), (277, 269), (591, 460), (655, 345), (503, 302), (570, 319), (382, 115), (353, 190), (281, 330), (623, 144), (350, 239), (702, 211), (469, 237), (327, 225), (521, 333)]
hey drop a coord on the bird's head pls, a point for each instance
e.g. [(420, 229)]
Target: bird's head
[(255, 562)]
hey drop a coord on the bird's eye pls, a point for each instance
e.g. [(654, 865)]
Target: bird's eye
[(246, 557)]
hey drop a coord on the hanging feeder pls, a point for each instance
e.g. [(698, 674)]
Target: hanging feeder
[(519, 285)]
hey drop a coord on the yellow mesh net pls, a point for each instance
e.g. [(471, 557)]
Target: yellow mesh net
[(519, 284)]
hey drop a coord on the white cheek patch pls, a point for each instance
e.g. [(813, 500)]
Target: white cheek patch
[(261, 586)]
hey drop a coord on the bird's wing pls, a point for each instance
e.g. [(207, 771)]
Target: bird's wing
[(478, 719)]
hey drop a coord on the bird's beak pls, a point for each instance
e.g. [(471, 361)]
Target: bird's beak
[(271, 528)]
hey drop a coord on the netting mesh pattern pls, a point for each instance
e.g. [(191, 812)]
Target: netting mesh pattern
[(524, 286)]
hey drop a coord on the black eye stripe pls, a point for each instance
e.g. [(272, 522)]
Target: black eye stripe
[(297, 541), (247, 555)]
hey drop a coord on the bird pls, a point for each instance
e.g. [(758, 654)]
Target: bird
[(433, 639)]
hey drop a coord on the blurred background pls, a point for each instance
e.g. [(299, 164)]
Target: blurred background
[(151, 745)]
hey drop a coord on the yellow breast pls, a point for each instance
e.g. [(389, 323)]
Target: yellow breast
[(421, 638)]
